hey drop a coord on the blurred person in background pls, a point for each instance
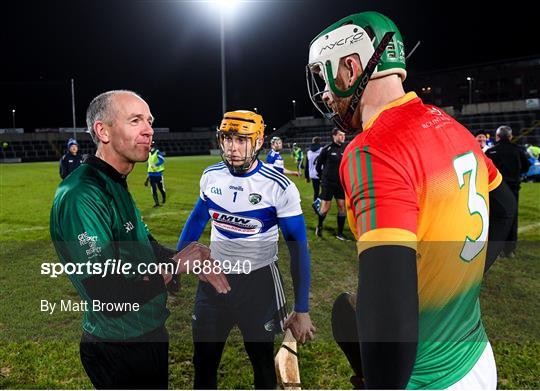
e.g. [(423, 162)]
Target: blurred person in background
[(274, 158), (482, 141), (298, 156), (155, 166), (311, 172), (511, 160), (328, 170), (71, 159)]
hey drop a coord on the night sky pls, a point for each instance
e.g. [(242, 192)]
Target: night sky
[(169, 52)]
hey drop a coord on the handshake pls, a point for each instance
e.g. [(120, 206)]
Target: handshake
[(183, 261)]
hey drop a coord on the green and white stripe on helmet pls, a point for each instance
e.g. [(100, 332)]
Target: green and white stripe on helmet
[(357, 34)]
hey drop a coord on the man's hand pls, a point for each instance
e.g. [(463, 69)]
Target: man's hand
[(199, 252), (301, 326)]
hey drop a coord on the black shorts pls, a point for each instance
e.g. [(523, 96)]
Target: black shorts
[(256, 304), (332, 190), (156, 179), (141, 363)]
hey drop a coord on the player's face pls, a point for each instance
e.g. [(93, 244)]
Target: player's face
[(277, 145), (481, 138), (339, 138), (131, 131), (73, 149), (343, 81), (237, 149)]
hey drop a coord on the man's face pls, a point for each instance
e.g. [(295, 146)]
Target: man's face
[(481, 138), (277, 145), (237, 149), (131, 132), (339, 138), (73, 149), (337, 104)]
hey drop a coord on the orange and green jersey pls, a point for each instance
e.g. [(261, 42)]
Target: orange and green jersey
[(416, 177)]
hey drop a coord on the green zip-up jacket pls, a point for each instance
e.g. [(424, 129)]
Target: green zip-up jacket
[(95, 219)]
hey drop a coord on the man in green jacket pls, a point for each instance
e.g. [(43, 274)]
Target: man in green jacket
[(96, 226)]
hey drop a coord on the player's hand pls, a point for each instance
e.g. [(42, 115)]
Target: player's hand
[(301, 326), (199, 252), (167, 277), (217, 280), (194, 251), (298, 174)]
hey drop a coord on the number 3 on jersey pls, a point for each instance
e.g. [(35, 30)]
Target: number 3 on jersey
[(464, 164)]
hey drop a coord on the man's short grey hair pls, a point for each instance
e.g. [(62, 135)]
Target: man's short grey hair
[(102, 109), (504, 131)]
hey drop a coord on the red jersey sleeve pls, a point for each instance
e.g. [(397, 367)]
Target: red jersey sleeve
[(494, 176), (382, 204)]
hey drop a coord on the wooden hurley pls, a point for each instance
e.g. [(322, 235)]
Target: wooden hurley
[(286, 363)]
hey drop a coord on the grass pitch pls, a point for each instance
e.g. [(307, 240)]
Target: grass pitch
[(38, 350)]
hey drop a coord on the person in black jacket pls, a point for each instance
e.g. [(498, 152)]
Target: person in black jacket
[(328, 170), (71, 160), (511, 160)]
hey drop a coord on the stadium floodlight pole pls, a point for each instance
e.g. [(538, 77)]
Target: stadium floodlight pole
[(223, 81), (224, 5), (73, 106), (470, 80), (13, 117)]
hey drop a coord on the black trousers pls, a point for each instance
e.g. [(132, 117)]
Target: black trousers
[(137, 364), (316, 188), (511, 240), (157, 183)]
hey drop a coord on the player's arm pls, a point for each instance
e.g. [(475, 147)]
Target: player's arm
[(292, 225), (294, 232), (195, 224), (502, 209), (387, 315), (290, 172), (384, 203)]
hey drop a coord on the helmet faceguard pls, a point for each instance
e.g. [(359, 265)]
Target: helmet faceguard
[(244, 124), (379, 46)]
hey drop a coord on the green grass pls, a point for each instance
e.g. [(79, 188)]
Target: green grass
[(41, 351)]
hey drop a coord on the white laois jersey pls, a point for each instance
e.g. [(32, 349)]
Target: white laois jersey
[(244, 211)]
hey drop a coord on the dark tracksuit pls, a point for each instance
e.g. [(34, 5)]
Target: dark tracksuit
[(69, 162), (512, 161)]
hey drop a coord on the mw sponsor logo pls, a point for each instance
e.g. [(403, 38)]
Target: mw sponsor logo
[(236, 223)]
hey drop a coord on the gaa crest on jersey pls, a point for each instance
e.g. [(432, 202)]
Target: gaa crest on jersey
[(255, 198), (236, 223)]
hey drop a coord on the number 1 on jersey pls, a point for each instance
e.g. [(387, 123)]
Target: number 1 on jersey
[(464, 164), (234, 196)]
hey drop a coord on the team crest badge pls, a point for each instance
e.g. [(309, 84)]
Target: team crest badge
[(255, 198)]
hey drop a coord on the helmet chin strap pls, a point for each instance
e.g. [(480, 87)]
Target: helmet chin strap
[(345, 123)]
